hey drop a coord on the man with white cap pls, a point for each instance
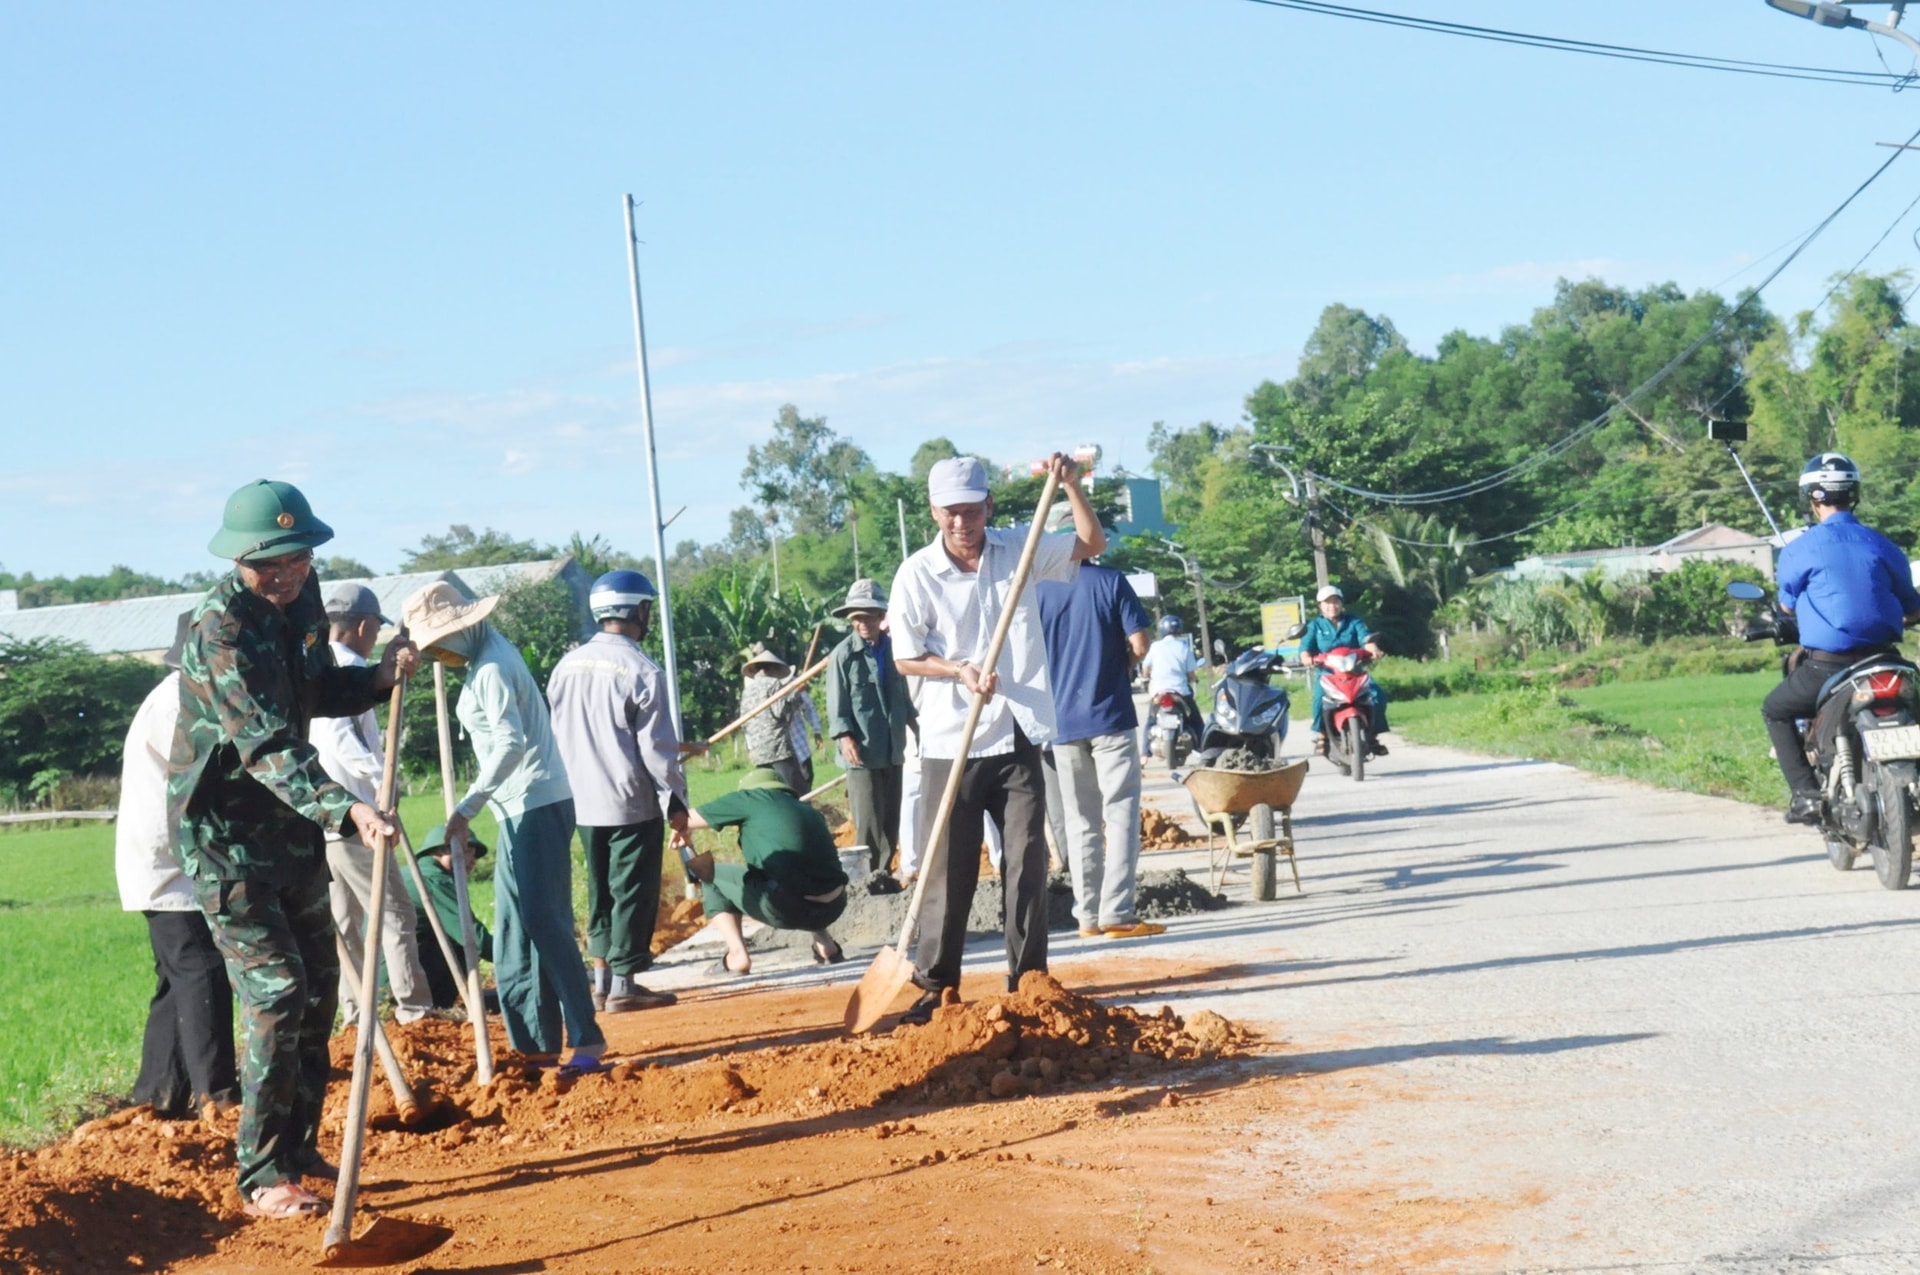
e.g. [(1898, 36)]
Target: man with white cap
[(947, 599), (1336, 626), (351, 754), (615, 731), (536, 961)]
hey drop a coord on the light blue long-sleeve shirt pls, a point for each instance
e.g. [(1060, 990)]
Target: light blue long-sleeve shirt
[(506, 717)]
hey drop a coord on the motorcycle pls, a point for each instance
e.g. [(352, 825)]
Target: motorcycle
[(1249, 719), (1171, 737), (1864, 743), (1347, 696)]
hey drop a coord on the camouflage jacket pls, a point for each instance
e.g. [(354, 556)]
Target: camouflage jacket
[(245, 789)]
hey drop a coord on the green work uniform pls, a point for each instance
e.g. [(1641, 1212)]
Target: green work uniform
[(442, 982), (248, 799), (792, 878)]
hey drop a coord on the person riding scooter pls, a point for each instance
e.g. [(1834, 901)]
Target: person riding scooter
[(1851, 591), (1336, 627), (1170, 665)]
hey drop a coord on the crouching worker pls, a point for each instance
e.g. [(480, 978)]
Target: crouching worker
[(791, 880), (436, 869)]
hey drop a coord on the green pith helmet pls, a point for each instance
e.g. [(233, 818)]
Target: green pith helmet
[(267, 520)]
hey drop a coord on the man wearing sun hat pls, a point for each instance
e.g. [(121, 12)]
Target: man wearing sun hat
[(868, 712), (252, 805), (947, 599), (770, 734), (544, 990)]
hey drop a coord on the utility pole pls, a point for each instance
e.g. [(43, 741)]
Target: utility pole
[(853, 524), (653, 476), (1190, 568), (900, 507), (1315, 536)]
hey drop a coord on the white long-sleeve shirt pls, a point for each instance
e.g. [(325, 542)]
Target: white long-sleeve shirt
[(349, 747), (144, 864)]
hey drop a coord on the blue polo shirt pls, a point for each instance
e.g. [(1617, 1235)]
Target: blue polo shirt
[(1847, 585), (1085, 623)]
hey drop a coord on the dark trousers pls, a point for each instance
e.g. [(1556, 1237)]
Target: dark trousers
[(793, 772), (1009, 787), (186, 1055), (443, 984), (1794, 698), (623, 893), (873, 802), (278, 940)]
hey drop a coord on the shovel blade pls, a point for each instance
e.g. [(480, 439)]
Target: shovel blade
[(879, 987), (388, 1242)]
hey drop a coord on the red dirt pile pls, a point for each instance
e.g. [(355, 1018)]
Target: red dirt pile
[(1161, 831), (130, 1192), (677, 921)]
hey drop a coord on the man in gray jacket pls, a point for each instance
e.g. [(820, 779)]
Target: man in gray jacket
[(614, 729)]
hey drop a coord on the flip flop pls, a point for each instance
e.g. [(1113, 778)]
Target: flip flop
[(721, 967), (284, 1201), (820, 957), (587, 1066)]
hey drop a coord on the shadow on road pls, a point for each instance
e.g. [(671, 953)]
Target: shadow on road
[(1379, 1055)]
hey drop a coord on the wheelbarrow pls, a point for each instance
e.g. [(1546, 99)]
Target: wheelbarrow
[(1222, 796)]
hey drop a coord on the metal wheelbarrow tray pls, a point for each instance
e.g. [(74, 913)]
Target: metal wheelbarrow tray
[(1266, 798)]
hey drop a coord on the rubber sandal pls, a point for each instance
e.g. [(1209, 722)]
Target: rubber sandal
[(284, 1201), (822, 957), (1138, 930), (721, 967)]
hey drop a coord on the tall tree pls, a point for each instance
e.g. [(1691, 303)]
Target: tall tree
[(799, 477), (462, 546)]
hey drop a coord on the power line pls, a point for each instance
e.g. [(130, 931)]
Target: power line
[(1520, 469), (1694, 61), (1556, 516)]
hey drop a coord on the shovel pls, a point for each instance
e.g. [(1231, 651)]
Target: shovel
[(405, 1101), (388, 1241), (892, 969)]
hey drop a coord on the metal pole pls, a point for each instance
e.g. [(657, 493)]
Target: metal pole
[(853, 521), (1200, 601), (900, 507), (1761, 500), (653, 476)]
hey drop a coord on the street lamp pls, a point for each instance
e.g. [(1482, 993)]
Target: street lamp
[(1824, 14)]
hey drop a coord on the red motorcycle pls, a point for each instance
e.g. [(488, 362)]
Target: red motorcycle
[(1348, 702)]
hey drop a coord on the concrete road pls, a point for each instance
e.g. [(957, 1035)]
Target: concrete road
[(1658, 1028)]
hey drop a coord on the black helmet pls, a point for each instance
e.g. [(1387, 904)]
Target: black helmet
[(1169, 624), (1831, 479)]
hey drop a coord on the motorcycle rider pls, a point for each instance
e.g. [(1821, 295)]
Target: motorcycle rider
[(1170, 666), (1335, 626), (1851, 591)]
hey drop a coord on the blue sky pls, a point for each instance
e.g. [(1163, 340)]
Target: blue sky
[(379, 251)]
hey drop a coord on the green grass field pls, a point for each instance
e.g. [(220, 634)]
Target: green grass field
[(76, 973), (1699, 733)]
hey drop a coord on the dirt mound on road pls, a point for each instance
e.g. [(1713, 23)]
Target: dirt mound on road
[(1161, 831)]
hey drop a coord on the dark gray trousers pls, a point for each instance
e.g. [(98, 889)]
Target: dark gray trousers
[(186, 1055), (1009, 787), (873, 802)]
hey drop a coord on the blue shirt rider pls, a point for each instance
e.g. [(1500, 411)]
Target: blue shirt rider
[(1850, 590), (1334, 627)]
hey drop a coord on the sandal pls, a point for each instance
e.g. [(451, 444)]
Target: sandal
[(825, 955), (283, 1201), (721, 967)]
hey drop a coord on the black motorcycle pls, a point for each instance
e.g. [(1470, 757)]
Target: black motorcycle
[(1864, 744), (1249, 719)]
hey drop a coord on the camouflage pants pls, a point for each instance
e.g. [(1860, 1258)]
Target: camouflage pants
[(278, 940)]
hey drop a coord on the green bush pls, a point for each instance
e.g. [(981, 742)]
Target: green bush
[(63, 711)]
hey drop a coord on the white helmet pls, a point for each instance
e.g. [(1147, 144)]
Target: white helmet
[(1828, 475)]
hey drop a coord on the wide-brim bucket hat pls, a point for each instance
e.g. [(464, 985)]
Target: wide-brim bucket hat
[(865, 595), (439, 610)]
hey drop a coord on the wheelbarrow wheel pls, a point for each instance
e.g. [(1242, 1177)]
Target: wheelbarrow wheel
[(1265, 859)]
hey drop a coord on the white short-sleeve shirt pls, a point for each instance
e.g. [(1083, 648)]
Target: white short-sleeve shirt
[(938, 609)]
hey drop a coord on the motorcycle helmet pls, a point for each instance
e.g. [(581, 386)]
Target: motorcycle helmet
[(1831, 479), (618, 594), (1169, 624)]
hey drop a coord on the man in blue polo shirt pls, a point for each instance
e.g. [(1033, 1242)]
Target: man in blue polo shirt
[(1851, 591), (1095, 629)]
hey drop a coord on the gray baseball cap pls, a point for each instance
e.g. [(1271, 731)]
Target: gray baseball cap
[(958, 480), (345, 599)]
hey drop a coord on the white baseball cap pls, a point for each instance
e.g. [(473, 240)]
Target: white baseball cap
[(1329, 591), (958, 480)]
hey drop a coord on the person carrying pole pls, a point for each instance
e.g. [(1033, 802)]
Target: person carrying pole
[(349, 749), (947, 599), (187, 1065), (868, 714), (544, 990), (614, 728), (770, 734), (251, 806)]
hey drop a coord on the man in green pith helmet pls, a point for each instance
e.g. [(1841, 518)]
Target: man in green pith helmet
[(252, 807)]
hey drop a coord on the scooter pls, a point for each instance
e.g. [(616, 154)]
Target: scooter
[(1171, 738), (1347, 702), (1249, 719), (1864, 744)]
